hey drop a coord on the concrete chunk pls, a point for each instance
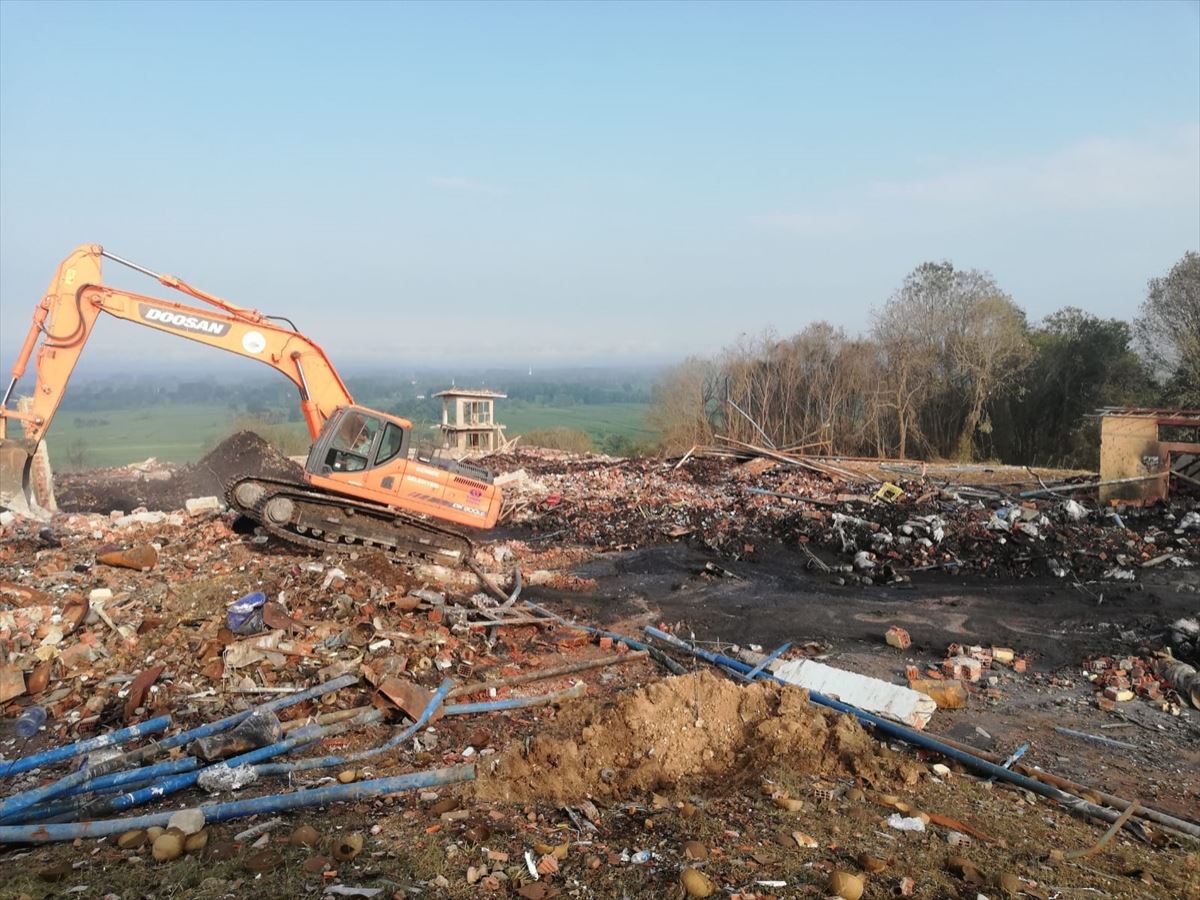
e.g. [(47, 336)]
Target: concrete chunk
[(198, 506)]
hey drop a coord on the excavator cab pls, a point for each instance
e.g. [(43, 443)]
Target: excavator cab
[(365, 454)]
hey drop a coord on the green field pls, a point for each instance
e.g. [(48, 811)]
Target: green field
[(169, 433), (626, 419), (184, 433)]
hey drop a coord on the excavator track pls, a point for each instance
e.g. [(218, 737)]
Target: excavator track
[(293, 512)]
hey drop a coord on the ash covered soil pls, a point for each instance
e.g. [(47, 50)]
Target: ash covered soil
[(623, 788)]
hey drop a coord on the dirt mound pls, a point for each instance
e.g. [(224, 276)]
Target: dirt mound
[(245, 453), (126, 488), (683, 731)]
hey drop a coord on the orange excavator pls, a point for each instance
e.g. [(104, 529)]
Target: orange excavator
[(361, 486)]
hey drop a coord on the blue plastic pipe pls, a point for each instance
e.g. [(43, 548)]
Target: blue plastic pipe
[(660, 657), (770, 658), (300, 737), (184, 737), (76, 781), (58, 754), (129, 776), (466, 709), (223, 812), (11, 808), (325, 762)]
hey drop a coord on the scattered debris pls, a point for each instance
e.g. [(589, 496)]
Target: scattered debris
[(699, 783)]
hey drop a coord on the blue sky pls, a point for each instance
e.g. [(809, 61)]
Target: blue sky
[(548, 183)]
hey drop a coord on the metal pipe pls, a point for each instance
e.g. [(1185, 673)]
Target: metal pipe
[(8, 393), (1089, 485), (466, 709), (486, 580), (224, 812), (114, 738), (185, 780), (324, 762), (512, 598), (1095, 738), (129, 776), (908, 735), (304, 395), (132, 265), (1074, 787), (657, 655), (542, 675), (328, 718)]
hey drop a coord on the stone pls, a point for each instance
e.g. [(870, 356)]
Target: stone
[(168, 846), (198, 506), (188, 821), (132, 840)]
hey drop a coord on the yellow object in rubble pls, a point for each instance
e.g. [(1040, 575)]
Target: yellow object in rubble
[(889, 493)]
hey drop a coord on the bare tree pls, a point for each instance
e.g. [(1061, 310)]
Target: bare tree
[(683, 403), (950, 339), (1168, 323), (989, 352)]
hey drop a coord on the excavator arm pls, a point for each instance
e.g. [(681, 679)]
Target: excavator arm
[(65, 317)]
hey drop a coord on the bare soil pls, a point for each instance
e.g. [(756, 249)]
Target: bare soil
[(689, 731)]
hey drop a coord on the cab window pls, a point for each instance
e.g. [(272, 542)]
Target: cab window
[(392, 443), (351, 445)]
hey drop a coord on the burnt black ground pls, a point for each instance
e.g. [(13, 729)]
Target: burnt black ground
[(773, 599), (1058, 625)]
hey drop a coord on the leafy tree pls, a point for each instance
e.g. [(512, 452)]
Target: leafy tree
[(1080, 362)]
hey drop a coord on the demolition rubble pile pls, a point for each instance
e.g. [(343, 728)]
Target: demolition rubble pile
[(853, 528), (181, 687)]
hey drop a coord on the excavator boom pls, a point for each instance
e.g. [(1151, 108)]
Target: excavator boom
[(67, 314)]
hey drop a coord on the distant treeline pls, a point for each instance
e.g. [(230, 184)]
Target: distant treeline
[(406, 395), (950, 369)]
